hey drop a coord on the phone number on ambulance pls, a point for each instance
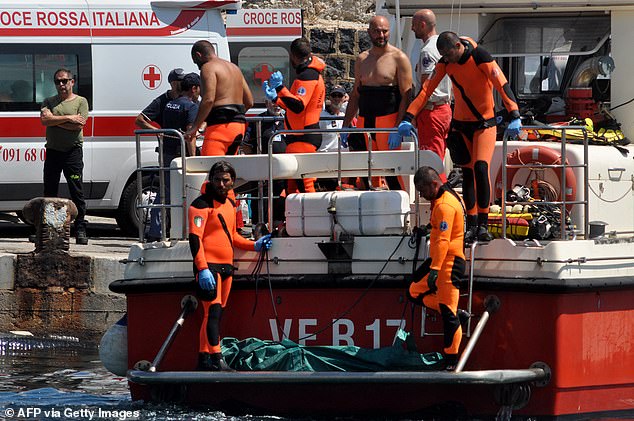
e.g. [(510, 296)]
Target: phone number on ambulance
[(21, 155)]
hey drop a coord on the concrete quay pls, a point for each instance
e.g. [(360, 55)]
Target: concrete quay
[(61, 293)]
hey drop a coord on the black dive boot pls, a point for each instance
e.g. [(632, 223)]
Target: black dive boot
[(482, 232), (463, 316), (218, 363), (204, 362), (470, 233), (451, 361)]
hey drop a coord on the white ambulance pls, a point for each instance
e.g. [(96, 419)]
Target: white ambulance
[(120, 52)]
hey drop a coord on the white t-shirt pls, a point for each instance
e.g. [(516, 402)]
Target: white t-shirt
[(429, 56), (329, 141)]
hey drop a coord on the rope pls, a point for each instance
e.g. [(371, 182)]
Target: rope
[(627, 192)]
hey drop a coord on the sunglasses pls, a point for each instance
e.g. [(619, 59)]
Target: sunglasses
[(336, 95), (62, 81)]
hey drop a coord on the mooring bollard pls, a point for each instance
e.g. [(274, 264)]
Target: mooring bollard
[(51, 217)]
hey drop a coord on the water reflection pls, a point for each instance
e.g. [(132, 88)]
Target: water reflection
[(61, 374), (62, 363)]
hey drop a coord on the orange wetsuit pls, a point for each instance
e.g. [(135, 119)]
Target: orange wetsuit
[(212, 236), (303, 104), (447, 257), (226, 126), (472, 135), (378, 108)]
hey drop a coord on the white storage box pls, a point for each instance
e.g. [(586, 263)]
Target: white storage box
[(358, 212)]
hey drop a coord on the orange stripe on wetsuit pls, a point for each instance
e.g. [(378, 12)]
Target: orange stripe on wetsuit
[(447, 257), (476, 74), (304, 101), (212, 236), (226, 126), (303, 104), (378, 108), (473, 78)]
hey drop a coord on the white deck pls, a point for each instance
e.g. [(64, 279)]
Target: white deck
[(589, 262)]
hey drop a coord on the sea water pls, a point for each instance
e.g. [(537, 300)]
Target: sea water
[(61, 378)]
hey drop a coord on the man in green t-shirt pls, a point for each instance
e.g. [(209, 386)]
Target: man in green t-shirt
[(64, 116)]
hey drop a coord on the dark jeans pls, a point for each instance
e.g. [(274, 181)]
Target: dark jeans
[(154, 232), (72, 164)]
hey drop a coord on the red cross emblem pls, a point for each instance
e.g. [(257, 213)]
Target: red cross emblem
[(152, 77), (262, 72)]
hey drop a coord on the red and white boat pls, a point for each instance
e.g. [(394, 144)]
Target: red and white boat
[(556, 336), (555, 317)]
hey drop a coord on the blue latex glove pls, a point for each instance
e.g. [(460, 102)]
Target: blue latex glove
[(431, 280), (344, 139), (269, 93), (513, 129), (206, 280), (276, 80), (405, 128), (394, 140), (264, 241)]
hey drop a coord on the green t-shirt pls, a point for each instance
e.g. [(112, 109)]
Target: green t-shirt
[(57, 137)]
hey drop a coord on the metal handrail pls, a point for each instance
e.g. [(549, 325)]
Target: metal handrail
[(563, 166), (160, 133), (342, 130)]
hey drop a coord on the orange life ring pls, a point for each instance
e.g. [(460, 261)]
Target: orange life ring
[(542, 155)]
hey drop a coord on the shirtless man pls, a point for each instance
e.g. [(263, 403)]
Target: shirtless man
[(225, 98), (382, 87)]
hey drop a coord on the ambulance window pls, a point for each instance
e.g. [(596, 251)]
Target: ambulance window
[(257, 64), (26, 73), (45, 67), (16, 84)]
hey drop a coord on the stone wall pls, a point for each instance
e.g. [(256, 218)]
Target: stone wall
[(339, 47), (337, 31)]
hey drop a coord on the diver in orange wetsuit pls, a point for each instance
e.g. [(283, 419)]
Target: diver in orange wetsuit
[(226, 97), (437, 279), (303, 104), (212, 236), (471, 141)]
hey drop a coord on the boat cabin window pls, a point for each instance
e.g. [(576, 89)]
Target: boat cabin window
[(26, 73), (545, 51)]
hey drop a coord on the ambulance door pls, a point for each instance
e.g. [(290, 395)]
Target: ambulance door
[(125, 88), (259, 43), (258, 62), (26, 79)]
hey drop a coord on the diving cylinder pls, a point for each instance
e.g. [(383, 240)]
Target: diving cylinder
[(113, 348)]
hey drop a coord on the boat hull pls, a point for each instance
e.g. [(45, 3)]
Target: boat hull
[(583, 335)]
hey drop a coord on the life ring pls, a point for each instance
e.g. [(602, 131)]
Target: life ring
[(542, 155)]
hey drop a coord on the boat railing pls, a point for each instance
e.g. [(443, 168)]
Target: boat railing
[(161, 169), (563, 203), (349, 130)]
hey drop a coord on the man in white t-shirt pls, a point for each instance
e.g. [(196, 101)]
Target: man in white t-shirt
[(333, 108), (434, 121)]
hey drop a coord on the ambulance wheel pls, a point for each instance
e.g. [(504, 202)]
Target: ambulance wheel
[(128, 216)]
